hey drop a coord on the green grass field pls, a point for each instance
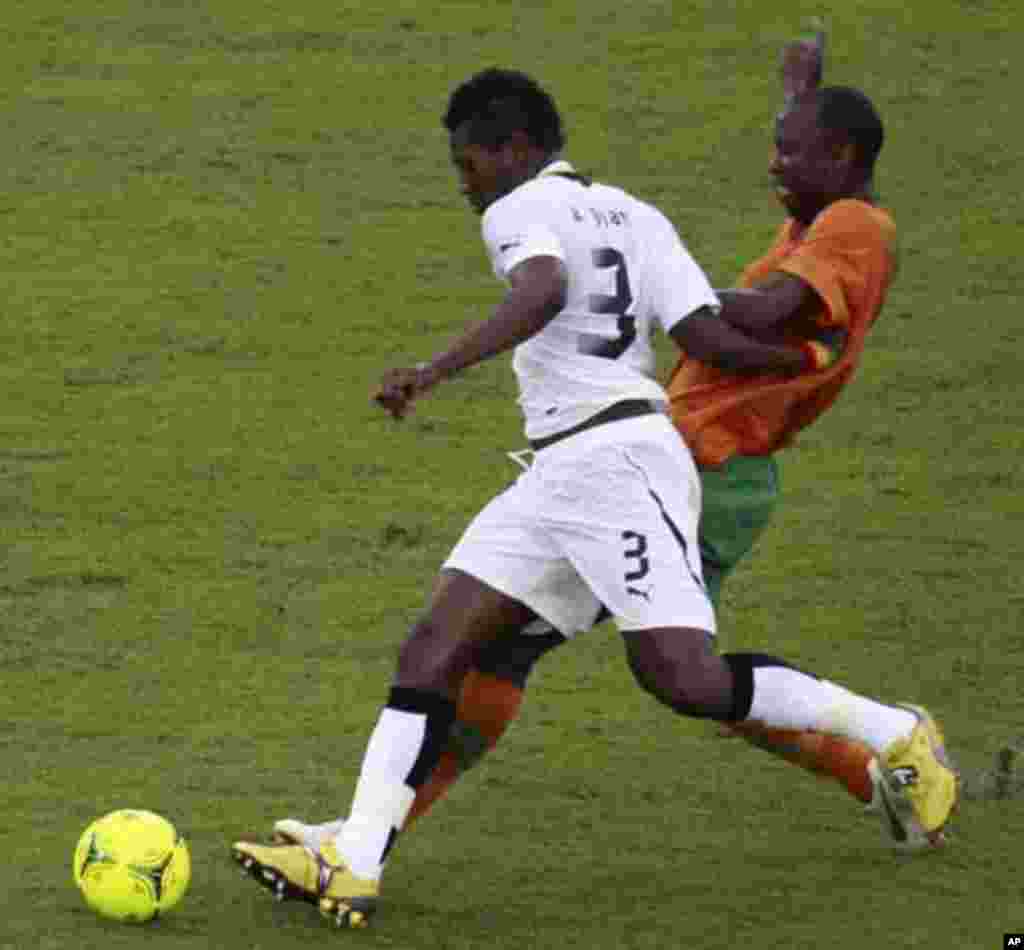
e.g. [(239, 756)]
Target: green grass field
[(222, 221)]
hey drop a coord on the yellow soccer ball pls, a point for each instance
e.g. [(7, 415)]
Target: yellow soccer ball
[(132, 865)]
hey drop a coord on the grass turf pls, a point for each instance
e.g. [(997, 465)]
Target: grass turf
[(223, 220)]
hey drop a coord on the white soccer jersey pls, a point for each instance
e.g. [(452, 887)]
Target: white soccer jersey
[(627, 269)]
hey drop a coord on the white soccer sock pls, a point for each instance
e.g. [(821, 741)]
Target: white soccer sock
[(382, 798), (785, 698)]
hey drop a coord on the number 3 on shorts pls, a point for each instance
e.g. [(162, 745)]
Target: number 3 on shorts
[(637, 552)]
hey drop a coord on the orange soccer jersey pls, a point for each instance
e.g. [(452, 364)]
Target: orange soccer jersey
[(848, 255)]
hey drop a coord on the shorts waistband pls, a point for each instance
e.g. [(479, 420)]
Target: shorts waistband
[(626, 409)]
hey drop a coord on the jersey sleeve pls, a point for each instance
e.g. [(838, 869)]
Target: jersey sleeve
[(680, 286), (836, 257), (514, 230)]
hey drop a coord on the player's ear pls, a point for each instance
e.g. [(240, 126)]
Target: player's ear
[(519, 145), (845, 152)]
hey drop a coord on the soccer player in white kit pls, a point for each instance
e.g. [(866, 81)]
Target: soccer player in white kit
[(606, 513)]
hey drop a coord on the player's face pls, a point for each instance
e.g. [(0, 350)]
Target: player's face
[(808, 166), (485, 174)]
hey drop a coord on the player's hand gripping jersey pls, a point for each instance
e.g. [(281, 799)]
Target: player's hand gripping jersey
[(626, 268)]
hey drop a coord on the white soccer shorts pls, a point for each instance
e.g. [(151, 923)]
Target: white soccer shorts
[(608, 516)]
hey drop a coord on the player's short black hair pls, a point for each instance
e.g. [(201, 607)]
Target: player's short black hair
[(497, 102), (850, 112)]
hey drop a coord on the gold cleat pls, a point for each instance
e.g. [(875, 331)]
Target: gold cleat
[(916, 786), (318, 876)]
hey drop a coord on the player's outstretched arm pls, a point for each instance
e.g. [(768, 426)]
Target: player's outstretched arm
[(536, 294), (803, 64)]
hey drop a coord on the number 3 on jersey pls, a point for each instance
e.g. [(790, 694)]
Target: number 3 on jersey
[(605, 258)]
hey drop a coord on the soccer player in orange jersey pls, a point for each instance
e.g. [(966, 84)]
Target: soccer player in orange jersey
[(822, 282)]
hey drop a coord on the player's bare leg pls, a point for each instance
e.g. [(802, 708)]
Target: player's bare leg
[(823, 755), (487, 706)]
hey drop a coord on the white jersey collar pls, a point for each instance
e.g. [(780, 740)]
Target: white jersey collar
[(558, 167)]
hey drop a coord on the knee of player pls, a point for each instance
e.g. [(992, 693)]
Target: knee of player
[(431, 658)]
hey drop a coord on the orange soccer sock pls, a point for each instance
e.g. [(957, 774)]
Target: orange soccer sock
[(486, 706), (826, 755)]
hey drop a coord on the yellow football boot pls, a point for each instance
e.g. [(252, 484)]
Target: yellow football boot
[(916, 786), (318, 876)]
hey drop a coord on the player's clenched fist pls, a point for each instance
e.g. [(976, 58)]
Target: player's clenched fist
[(399, 387)]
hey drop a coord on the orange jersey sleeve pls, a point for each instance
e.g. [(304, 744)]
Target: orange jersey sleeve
[(848, 255)]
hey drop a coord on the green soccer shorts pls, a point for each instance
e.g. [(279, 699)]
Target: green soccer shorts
[(739, 497)]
